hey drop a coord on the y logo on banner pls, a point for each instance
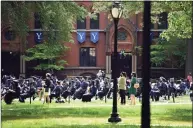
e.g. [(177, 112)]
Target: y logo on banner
[(94, 37), (38, 37), (81, 36)]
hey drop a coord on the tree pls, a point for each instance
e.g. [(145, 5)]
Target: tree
[(179, 15), (170, 54), (48, 53), (179, 28), (57, 20), (179, 18)]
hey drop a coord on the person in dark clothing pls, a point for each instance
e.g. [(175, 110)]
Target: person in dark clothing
[(77, 83), (191, 94), (57, 91), (47, 88), (84, 85), (132, 89), (93, 90), (103, 74), (155, 93)]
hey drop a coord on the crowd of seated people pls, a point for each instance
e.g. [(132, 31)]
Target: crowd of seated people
[(87, 88)]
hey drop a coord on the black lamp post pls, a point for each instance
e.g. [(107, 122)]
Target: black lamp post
[(116, 12)]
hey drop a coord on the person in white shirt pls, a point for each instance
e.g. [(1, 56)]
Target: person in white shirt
[(99, 74)]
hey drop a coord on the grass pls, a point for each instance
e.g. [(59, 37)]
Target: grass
[(93, 115)]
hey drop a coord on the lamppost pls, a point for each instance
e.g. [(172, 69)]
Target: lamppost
[(116, 12)]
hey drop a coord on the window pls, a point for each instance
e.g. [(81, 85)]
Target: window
[(87, 57), (122, 35), (152, 21), (37, 20), (81, 24), (94, 22), (10, 35), (163, 23), (152, 25)]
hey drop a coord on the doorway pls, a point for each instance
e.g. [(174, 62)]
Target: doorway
[(124, 63), (10, 63)]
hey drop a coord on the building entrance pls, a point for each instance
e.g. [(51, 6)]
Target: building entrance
[(10, 63), (124, 63)]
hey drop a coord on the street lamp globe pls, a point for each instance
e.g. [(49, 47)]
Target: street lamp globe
[(116, 10)]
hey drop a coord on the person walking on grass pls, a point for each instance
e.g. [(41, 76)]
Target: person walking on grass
[(47, 88), (122, 87), (132, 89)]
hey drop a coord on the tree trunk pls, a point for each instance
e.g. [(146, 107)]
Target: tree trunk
[(189, 58)]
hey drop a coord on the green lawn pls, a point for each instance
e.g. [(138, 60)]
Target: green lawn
[(94, 115)]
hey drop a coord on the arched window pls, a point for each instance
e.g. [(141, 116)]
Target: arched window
[(122, 35)]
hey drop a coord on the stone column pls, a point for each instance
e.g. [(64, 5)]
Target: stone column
[(22, 66), (108, 66)]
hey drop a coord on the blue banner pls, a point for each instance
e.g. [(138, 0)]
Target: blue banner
[(38, 37), (94, 37), (81, 36)]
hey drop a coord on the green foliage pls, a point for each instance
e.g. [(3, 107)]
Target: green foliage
[(49, 67), (179, 18), (179, 15), (171, 54), (50, 53), (45, 51), (172, 51), (15, 14), (57, 19)]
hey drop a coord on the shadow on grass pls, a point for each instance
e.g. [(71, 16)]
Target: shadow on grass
[(53, 112), (170, 113), (62, 112), (108, 126), (94, 126), (21, 106), (178, 115)]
